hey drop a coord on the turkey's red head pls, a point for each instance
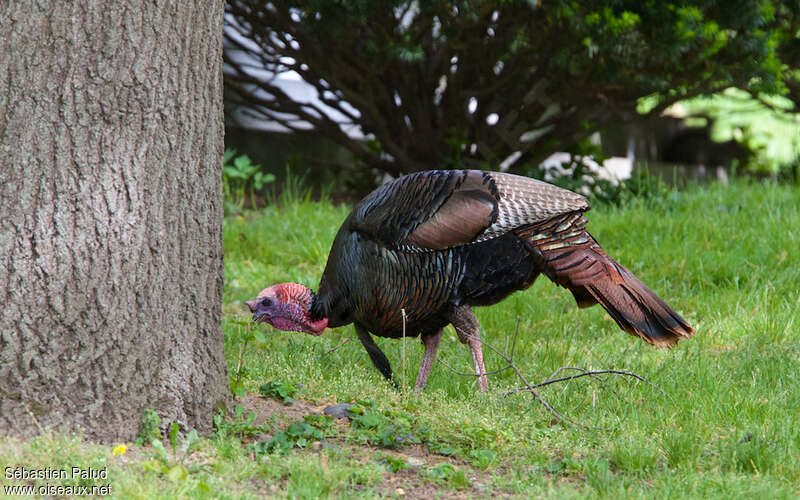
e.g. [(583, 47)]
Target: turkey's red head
[(286, 307)]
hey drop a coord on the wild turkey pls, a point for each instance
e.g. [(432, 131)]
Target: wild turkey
[(432, 244)]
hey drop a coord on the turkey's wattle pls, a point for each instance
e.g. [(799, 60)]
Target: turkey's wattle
[(432, 244)]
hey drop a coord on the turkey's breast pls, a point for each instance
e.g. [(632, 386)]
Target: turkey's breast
[(369, 283)]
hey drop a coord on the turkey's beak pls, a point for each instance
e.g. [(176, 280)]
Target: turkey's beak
[(259, 315)]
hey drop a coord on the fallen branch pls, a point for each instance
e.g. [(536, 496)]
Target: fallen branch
[(586, 373), (508, 355)]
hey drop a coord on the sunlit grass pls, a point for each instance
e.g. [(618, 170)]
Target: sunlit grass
[(725, 426), (728, 259)]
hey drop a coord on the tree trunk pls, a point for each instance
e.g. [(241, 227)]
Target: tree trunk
[(110, 215)]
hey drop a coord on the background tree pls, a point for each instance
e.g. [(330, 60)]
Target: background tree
[(472, 83), (110, 215)]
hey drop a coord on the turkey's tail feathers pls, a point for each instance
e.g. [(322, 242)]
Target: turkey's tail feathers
[(571, 257)]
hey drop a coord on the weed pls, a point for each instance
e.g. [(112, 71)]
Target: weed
[(240, 427), (149, 429), (447, 474), (283, 391), (241, 178), (298, 434), (250, 335), (564, 466), (387, 428), (174, 467), (482, 458), (393, 464)]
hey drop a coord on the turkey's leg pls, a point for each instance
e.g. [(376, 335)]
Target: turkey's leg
[(468, 330), (375, 354), (431, 343)]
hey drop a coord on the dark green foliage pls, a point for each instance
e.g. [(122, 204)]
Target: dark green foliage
[(241, 426), (648, 188), (393, 464), (447, 474), (564, 466), (172, 434), (468, 83), (249, 334), (298, 434), (241, 180), (387, 428), (482, 458), (285, 391), (150, 427)]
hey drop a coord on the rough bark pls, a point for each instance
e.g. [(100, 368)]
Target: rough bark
[(110, 215)]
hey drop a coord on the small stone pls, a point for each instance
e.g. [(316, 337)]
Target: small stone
[(414, 462), (338, 411), (399, 492)]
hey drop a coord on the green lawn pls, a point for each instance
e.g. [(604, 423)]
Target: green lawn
[(727, 424)]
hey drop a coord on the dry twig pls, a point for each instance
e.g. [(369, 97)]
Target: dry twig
[(508, 355)]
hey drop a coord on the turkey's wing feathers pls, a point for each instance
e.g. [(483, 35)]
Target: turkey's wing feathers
[(392, 211), (465, 215), (440, 209), (524, 201)]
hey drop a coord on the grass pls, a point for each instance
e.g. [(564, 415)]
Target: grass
[(726, 426)]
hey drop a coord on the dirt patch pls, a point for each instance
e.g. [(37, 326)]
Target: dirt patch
[(268, 408), (405, 483)]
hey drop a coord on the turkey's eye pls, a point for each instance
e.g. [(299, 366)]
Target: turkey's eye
[(266, 302)]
